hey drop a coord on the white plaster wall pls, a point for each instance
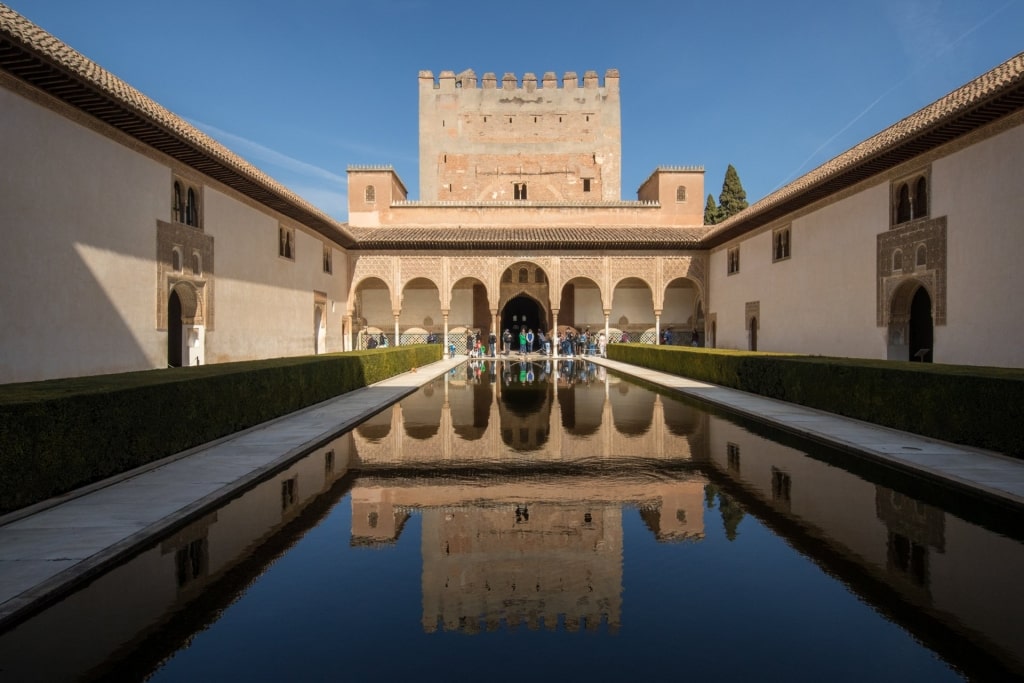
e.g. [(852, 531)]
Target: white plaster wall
[(375, 307), (635, 303), (418, 305), (264, 302), (588, 309), (461, 312), (822, 299), (79, 214), (679, 305), (979, 190)]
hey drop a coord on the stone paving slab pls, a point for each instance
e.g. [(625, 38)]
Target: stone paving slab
[(49, 548), (993, 474)]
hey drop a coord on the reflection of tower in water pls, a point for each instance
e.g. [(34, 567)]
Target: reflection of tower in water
[(541, 564)]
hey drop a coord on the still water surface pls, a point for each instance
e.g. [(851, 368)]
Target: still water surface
[(522, 521)]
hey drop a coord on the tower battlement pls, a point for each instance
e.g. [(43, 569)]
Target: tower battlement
[(467, 80)]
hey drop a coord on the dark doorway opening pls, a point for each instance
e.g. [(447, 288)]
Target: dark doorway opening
[(921, 327), (525, 313), (174, 328), (753, 334)]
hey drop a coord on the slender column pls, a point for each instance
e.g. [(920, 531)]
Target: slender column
[(444, 351), (607, 329), (398, 340), (346, 333), (495, 330), (657, 328), (554, 342)]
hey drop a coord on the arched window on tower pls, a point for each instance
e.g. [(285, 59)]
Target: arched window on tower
[(922, 256), (176, 260), (370, 194), (681, 193)]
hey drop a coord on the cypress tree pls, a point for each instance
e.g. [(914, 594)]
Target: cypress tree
[(712, 214), (733, 198)]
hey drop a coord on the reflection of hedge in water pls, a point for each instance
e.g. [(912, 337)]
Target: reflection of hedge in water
[(969, 405), (62, 434)]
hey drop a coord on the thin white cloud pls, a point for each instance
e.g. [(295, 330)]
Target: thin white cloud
[(922, 53), (331, 202), (254, 151)]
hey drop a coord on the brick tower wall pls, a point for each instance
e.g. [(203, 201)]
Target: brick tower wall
[(484, 141)]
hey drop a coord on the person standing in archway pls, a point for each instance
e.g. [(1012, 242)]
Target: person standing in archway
[(492, 344), (506, 340), (522, 342), (529, 341)]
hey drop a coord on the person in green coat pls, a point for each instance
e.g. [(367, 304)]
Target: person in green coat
[(522, 342)]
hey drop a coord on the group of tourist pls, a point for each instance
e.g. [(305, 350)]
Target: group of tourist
[(586, 343)]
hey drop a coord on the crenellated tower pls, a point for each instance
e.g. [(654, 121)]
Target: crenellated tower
[(531, 140)]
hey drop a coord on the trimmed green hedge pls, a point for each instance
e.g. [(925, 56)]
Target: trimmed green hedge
[(58, 435), (973, 406)]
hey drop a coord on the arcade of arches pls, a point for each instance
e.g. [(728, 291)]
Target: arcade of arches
[(409, 299)]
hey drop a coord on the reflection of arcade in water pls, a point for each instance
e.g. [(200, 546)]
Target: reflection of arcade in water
[(510, 412), (521, 489)]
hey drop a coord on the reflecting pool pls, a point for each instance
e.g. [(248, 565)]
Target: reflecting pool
[(540, 521)]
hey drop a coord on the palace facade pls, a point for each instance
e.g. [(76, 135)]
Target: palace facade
[(134, 241)]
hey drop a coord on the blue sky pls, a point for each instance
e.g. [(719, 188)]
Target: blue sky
[(306, 88)]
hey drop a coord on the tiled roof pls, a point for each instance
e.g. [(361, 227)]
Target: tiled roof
[(519, 237), (984, 100), (35, 56)]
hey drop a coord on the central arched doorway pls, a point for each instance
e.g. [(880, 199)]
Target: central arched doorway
[(522, 312)]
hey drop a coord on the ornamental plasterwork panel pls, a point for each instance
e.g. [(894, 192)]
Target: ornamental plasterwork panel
[(188, 241), (581, 266), (413, 267), (467, 266), (476, 267), (641, 267), (752, 310), (378, 266), (908, 240), (690, 267)]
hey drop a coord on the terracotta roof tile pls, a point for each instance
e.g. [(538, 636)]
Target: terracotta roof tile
[(505, 237)]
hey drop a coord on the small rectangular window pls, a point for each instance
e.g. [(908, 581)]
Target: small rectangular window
[(586, 184), (328, 265), (520, 190)]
